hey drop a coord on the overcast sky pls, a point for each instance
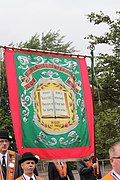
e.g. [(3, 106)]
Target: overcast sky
[(21, 19)]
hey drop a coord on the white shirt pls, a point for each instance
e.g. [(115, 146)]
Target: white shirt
[(28, 178), (1, 155), (116, 175), (61, 163)]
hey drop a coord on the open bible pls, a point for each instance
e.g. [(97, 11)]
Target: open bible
[(53, 104)]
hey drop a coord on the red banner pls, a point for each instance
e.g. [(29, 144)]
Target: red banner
[(66, 135)]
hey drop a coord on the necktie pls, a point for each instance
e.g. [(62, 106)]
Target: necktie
[(4, 167), (31, 178), (61, 163)]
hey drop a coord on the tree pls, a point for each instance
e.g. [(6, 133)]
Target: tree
[(107, 68), (107, 73), (52, 41), (5, 119), (105, 135)]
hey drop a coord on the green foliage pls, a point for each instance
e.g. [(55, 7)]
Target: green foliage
[(5, 121), (107, 84), (33, 43), (51, 41), (112, 37), (107, 68), (107, 131), (5, 118), (99, 18), (4, 102)]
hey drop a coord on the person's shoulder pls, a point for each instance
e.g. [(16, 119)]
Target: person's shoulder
[(107, 176), (11, 152), (40, 178), (17, 153), (19, 178), (80, 161), (51, 163), (14, 153)]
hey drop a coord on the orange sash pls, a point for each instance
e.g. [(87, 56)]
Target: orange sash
[(10, 167), (61, 169), (89, 163), (108, 176)]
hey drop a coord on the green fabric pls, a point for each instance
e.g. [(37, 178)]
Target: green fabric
[(56, 83)]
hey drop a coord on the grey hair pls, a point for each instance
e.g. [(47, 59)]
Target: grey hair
[(113, 149)]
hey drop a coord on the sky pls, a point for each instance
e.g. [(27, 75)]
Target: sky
[(21, 19)]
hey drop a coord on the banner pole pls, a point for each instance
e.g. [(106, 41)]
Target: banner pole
[(92, 74), (92, 48), (44, 51)]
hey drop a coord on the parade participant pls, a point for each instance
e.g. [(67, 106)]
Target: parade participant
[(59, 171), (88, 169), (28, 163), (9, 168), (97, 171), (114, 154)]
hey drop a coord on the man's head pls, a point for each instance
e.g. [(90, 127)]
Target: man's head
[(4, 141), (114, 153), (28, 162)]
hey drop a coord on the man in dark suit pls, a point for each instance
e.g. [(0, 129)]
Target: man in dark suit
[(9, 168), (59, 171), (89, 169)]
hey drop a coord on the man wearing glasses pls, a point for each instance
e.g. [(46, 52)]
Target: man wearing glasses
[(114, 153), (9, 168)]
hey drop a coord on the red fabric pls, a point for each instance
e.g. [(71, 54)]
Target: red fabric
[(45, 153), (88, 100)]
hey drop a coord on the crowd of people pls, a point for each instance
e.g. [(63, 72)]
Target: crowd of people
[(14, 167)]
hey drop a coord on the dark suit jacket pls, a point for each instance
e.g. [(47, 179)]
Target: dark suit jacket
[(53, 173), (85, 172)]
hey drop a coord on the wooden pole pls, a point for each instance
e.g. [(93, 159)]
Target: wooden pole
[(92, 82), (45, 51)]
